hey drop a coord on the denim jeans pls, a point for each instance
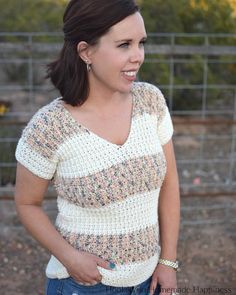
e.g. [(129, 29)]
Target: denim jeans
[(70, 287)]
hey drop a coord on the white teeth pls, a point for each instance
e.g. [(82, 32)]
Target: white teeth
[(130, 74)]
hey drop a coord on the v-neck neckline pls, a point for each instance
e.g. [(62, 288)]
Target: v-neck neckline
[(96, 136)]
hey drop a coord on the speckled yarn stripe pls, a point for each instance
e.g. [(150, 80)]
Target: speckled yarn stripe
[(107, 193)]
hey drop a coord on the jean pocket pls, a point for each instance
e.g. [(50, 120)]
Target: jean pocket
[(72, 287), (76, 283), (54, 286)]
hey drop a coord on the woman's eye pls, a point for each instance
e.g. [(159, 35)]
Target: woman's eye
[(143, 42), (124, 45)]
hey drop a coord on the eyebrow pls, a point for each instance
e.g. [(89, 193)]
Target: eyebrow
[(130, 40)]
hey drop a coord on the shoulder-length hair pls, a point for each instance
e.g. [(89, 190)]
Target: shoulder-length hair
[(84, 20)]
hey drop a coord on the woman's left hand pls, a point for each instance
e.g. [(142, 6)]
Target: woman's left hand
[(166, 277)]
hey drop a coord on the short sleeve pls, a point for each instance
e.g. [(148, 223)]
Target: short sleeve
[(36, 149), (165, 128)]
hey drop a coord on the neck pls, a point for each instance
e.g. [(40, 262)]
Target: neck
[(105, 99)]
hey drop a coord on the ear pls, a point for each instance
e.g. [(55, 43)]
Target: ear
[(83, 50)]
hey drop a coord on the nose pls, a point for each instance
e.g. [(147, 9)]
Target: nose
[(137, 55)]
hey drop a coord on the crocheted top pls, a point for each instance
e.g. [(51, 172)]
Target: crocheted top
[(107, 194)]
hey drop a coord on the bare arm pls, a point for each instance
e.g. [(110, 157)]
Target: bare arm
[(169, 217), (29, 195), (169, 206)]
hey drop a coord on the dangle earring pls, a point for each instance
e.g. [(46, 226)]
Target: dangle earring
[(88, 66)]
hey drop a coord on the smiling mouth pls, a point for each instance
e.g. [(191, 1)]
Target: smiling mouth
[(131, 73)]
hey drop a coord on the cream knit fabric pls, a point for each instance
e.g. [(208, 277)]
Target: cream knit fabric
[(107, 193)]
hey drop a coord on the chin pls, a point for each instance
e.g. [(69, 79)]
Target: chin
[(123, 88), (127, 88)]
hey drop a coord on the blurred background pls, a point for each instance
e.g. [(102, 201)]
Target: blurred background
[(191, 57)]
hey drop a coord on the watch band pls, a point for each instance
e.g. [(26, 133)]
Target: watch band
[(173, 264)]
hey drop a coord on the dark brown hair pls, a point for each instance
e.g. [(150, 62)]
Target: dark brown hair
[(84, 20)]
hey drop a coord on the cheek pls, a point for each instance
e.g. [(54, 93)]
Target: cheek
[(111, 58), (143, 56), (119, 60), (109, 62)]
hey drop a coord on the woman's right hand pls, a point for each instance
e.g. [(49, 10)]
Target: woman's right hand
[(82, 267), (29, 195)]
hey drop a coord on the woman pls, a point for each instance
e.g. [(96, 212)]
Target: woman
[(106, 144)]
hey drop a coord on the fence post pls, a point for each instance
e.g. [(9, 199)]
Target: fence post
[(30, 72), (233, 147)]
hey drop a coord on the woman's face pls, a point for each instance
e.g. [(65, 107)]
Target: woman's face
[(119, 55)]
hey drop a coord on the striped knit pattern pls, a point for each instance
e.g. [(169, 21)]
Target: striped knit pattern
[(107, 193)]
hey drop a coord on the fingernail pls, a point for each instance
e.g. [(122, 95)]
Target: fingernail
[(112, 265)]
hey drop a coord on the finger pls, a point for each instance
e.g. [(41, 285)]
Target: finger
[(98, 278), (153, 286), (92, 283), (84, 280), (79, 281), (87, 282), (106, 264)]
